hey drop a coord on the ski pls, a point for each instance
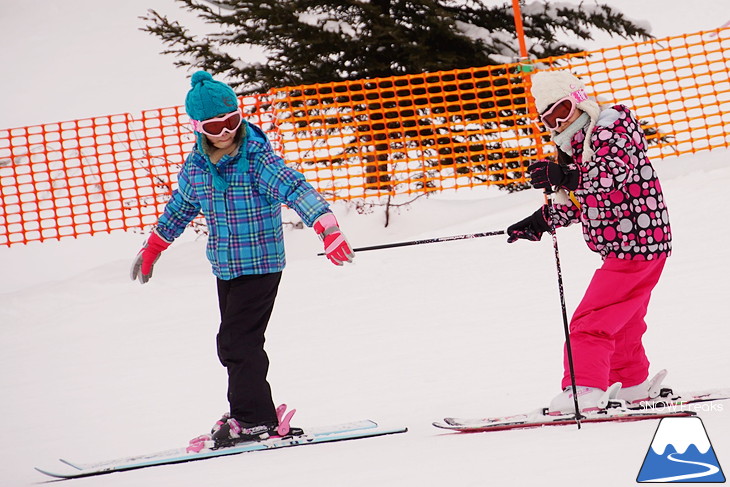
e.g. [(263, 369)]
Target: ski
[(346, 431), (666, 404), (539, 418)]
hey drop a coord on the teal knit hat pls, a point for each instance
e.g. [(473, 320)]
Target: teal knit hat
[(208, 98)]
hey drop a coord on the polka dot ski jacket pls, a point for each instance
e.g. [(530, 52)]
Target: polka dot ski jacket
[(622, 207)]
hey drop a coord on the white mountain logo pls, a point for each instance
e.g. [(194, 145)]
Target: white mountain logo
[(681, 452)]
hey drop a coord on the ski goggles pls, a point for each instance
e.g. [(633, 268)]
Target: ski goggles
[(558, 112), (218, 126), (563, 109)]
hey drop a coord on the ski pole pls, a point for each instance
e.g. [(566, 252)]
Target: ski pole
[(427, 241), (569, 351)]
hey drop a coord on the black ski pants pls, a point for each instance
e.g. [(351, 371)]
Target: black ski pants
[(246, 303)]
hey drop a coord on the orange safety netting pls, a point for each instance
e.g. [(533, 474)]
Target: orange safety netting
[(358, 139)]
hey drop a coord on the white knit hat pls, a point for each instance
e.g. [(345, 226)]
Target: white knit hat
[(551, 86)]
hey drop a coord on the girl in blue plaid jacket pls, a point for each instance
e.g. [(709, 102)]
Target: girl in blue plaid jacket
[(238, 183)]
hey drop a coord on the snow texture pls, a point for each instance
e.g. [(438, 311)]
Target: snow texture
[(680, 434), (96, 366)]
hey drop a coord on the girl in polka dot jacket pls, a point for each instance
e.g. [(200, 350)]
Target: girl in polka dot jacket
[(617, 198)]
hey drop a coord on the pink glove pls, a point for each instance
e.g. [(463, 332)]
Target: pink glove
[(146, 258), (336, 247)]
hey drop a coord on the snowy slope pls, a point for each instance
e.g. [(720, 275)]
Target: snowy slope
[(95, 366)]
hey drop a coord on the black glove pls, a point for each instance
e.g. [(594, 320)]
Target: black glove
[(531, 228), (547, 175)]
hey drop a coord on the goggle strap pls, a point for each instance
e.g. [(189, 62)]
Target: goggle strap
[(579, 95)]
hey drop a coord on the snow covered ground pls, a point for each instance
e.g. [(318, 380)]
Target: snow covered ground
[(96, 366)]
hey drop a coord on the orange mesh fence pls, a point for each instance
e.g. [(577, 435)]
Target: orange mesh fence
[(93, 175), (358, 139), (408, 134), (679, 87), (462, 128)]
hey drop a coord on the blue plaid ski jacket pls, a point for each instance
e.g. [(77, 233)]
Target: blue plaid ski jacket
[(245, 233)]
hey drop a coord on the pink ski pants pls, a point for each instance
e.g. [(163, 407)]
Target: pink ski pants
[(608, 324)]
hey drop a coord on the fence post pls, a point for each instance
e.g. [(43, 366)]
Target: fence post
[(525, 70)]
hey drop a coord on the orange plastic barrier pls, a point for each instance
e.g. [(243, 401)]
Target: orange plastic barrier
[(409, 134), (679, 85), (462, 128), (92, 175), (359, 139)]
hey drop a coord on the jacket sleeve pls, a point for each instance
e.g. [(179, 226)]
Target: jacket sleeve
[(283, 184), (180, 210), (564, 211)]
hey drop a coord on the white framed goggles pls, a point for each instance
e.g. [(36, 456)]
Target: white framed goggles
[(218, 126)]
